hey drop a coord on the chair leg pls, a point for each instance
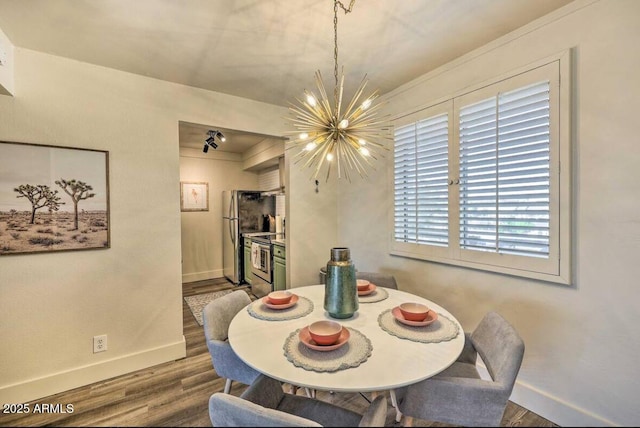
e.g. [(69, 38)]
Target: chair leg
[(227, 386), (394, 401), (311, 393)]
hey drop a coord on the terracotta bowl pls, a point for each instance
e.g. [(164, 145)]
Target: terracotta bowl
[(414, 311), (280, 297), (325, 332), (363, 284)]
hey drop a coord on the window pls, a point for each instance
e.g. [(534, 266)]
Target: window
[(477, 178)]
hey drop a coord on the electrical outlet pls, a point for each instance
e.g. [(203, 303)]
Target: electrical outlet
[(99, 343)]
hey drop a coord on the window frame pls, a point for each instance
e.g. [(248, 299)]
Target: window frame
[(558, 267)]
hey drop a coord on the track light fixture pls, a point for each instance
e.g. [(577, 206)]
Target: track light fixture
[(211, 139)]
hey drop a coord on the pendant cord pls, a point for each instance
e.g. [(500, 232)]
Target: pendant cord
[(337, 3)]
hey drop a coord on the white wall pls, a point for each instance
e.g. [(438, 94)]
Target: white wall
[(582, 342), (202, 230), (51, 305), (311, 223)]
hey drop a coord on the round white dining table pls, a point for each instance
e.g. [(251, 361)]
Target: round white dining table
[(394, 362)]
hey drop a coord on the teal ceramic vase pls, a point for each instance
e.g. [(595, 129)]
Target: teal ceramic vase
[(340, 290)]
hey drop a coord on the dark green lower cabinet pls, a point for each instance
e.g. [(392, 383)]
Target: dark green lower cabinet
[(279, 268)]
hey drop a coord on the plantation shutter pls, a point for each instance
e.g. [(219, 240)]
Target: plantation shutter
[(405, 174), (504, 172), (421, 182)]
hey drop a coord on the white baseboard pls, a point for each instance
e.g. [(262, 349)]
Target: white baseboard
[(200, 276), (550, 407), (34, 389)]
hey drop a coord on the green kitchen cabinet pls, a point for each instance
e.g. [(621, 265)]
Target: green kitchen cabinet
[(247, 260), (279, 267)]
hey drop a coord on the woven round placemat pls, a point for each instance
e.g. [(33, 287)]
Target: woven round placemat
[(377, 296), (259, 310), (353, 353), (441, 330)]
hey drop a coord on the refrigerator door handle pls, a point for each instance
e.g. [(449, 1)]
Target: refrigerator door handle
[(232, 233), (232, 205)]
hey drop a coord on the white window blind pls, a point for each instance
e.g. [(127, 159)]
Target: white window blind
[(478, 179), (421, 188), (504, 173)]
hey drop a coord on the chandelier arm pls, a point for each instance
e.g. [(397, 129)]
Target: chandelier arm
[(374, 108), (371, 123), (348, 156), (338, 156), (321, 148), (329, 146), (315, 112), (338, 104), (308, 120), (324, 99), (354, 159), (360, 114), (355, 98)]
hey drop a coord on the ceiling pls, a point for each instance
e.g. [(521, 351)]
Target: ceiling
[(265, 50)]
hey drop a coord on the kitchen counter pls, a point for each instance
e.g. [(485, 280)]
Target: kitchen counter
[(279, 241), (250, 234)]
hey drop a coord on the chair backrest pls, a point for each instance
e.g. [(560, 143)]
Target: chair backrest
[(501, 349), (231, 411), (218, 313), (379, 279)]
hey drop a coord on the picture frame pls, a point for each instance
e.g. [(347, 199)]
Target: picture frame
[(194, 196), (53, 198)]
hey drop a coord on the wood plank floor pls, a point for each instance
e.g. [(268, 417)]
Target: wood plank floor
[(176, 394)]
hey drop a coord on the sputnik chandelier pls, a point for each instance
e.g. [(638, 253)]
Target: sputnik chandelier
[(349, 137)]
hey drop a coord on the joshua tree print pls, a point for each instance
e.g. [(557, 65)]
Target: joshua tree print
[(78, 190), (39, 196)]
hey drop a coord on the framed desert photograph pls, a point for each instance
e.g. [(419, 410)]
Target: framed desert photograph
[(194, 196), (53, 198)]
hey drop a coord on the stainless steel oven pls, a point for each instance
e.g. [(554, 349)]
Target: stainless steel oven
[(261, 259)]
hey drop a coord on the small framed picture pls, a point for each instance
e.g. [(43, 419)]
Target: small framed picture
[(194, 196)]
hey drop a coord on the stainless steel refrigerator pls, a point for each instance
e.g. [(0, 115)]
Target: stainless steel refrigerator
[(244, 211)]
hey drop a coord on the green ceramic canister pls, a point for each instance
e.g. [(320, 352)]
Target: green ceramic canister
[(340, 290)]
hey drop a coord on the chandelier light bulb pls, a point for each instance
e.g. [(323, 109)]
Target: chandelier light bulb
[(366, 104), (311, 100), (364, 151), (344, 123), (362, 142), (310, 146), (303, 136), (329, 157)]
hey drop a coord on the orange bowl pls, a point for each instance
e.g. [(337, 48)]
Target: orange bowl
[(325, 332), (414, 311), (280, 297), (362, 284)]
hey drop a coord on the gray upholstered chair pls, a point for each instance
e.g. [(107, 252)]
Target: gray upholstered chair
[(379, 279), (265, 404), (217, 316), (458, 395)]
